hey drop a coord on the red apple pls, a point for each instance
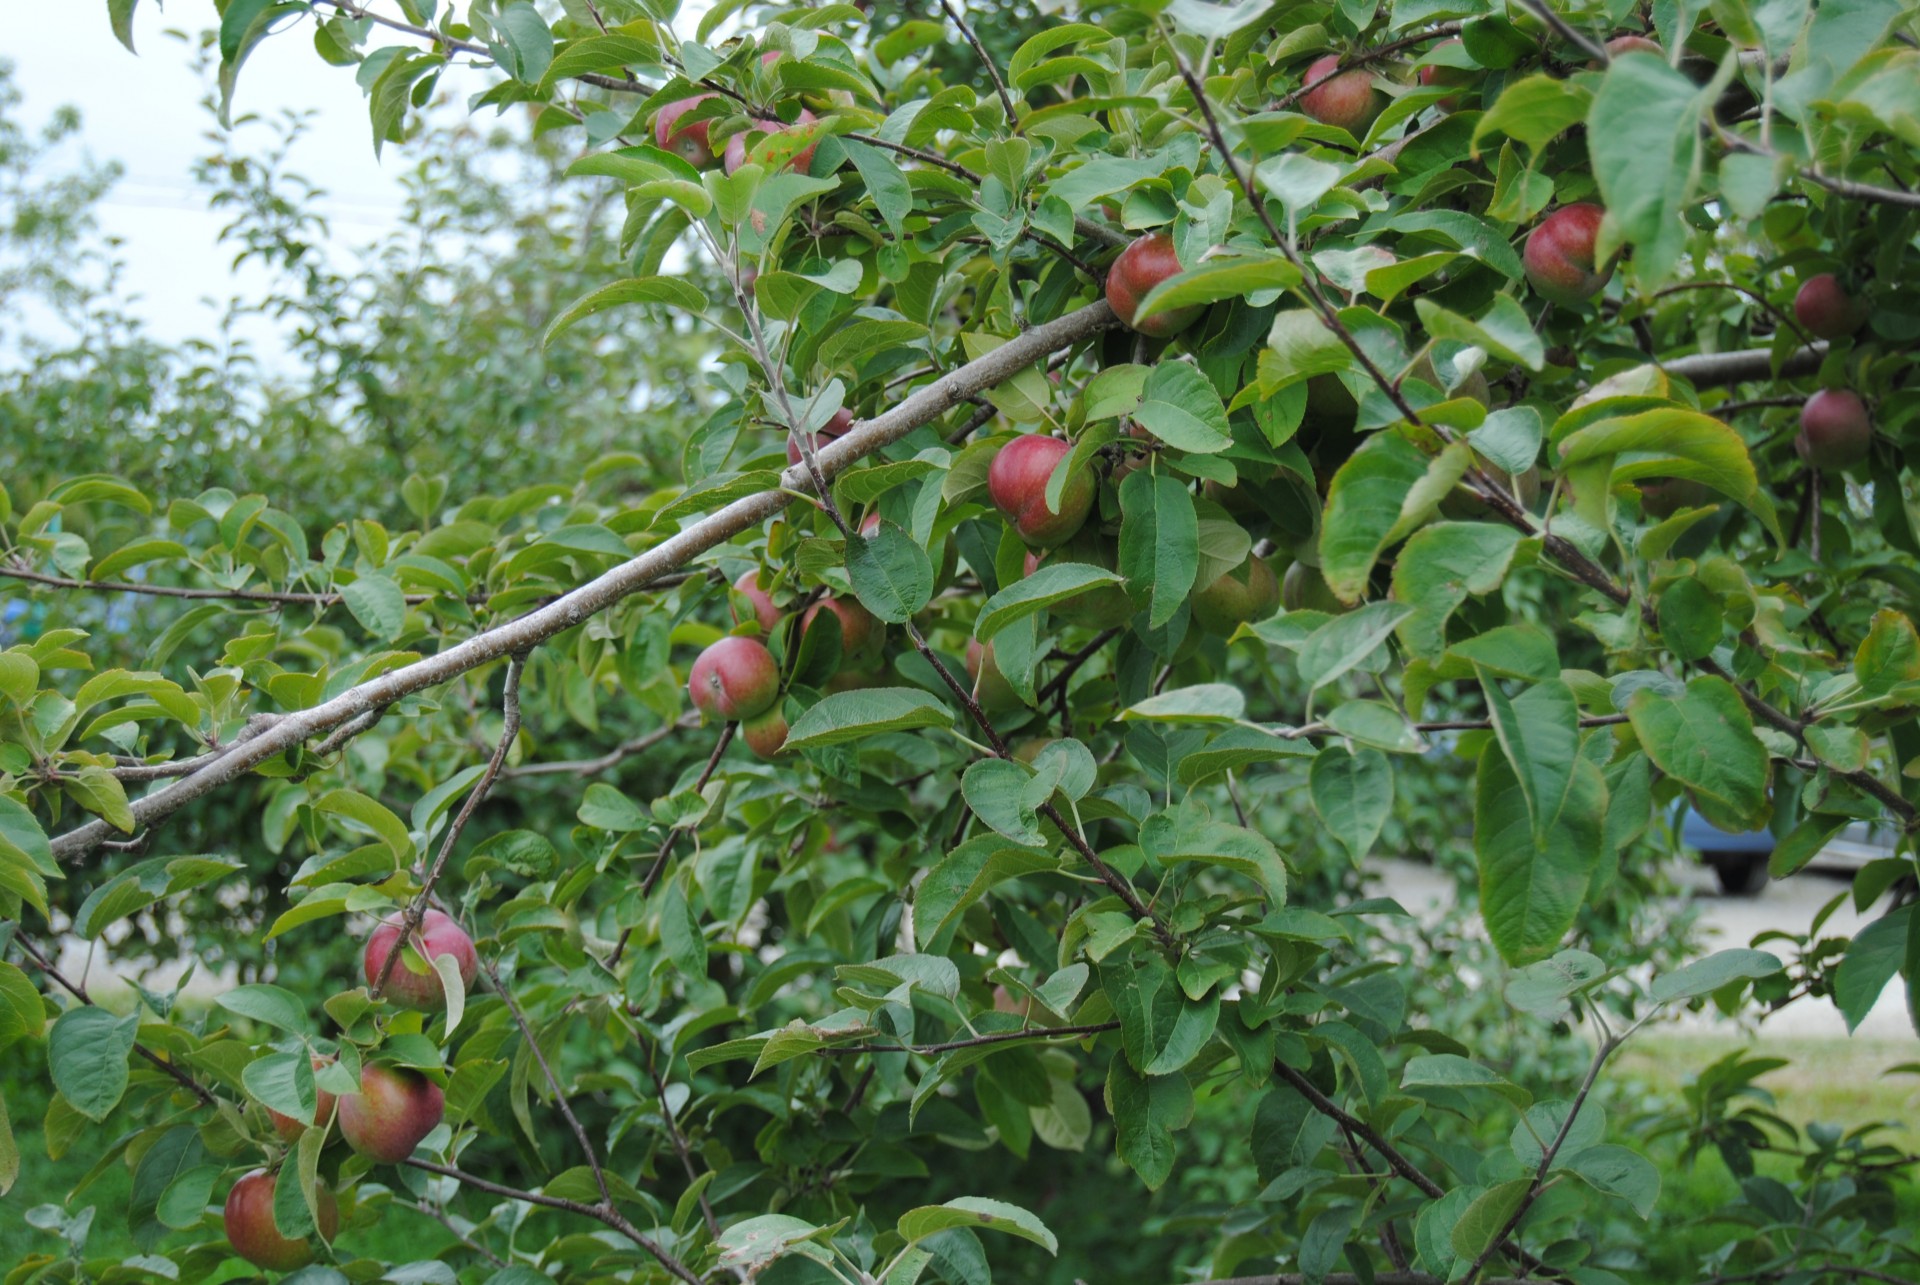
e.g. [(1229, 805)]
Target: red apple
[(289, 1128), (736, 154), (1434, 74), (1247, 593), (734, 678), (393, 1111), (251, 1230), (1140, 267), (766, 735), (990, 686), (1824, 309), (830, 431), (1835, 429), (1017, 484), (861, 633), (764, 612), (1559, 255), (689, 142), (1634, 45), (1347, 101), (437, 936)]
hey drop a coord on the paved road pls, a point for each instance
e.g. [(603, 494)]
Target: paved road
[(1787, 905)]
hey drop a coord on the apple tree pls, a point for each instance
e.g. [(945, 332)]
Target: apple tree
[(1138, 447)]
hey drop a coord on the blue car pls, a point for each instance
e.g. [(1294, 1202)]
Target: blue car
[(1739, 861)]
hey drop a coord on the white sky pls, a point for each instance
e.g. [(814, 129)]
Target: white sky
[(145, 113)]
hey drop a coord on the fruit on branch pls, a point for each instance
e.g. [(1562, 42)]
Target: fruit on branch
[(1102, 606), (861, 632), (1463, 505), (1634, 45), (1017, 484), (437, 935), (766, 735), (1825, 310), (1005, 1001), (689, 141), (395, 1108), (734, 678), (1303, 588), (1559, 256), (801, 161), (289, 1128), (1247, 593), (1142, 266), (764, 612), (1347, 101), (1666, 497), (1835, 429), (990, 687), (1436, 75), (254, 1236), (830, 431)]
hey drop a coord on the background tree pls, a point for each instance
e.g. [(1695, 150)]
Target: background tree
[(1098, 615)]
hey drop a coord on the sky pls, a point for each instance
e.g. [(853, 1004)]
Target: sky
[(145, 113)]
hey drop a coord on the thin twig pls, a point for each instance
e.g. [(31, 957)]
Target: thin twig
[(624, 750), (978, 1041), (270, 597), (986, 60), (679, 1141), (1366, 57), (1587, 45)]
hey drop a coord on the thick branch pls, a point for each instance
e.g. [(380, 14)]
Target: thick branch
[(598, 595), (1718, 369)]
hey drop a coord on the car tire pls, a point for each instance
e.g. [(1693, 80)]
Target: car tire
[(1741, 874)]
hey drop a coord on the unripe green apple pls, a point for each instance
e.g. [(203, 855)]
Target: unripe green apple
[(1248, 593), (990, 687), (1825, 310), (394, 1109), (1347, 101), (1017, 484), (1559, 255), (689, 141), (1140, 267), (1666, 497), (1103, 606), (289, 1128), (438, 935), (251, 1231), (1303, 588), (1835, 429), (734, 678)]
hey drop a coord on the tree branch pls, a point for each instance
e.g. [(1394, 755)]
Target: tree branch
[(638, 573), (978, 1041), (986, 60), (624, 750)]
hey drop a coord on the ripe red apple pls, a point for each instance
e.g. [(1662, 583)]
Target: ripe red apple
[(251, 1231), (1835, 429), (1824, 309), (1559, 255), (990, 686), (1247, 593), (689, 142), (1140, 267), (830, 431), (289, 1128), (394, 1109), (1017, 484), (1666, 497), (1104, 606), (764, 612), (736, 154), (1433, 74), (437, 936), (1347, 101), (766, 735), (861, 632), (734, 678), (1634, 45)]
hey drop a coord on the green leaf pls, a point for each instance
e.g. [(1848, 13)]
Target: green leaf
[(604, 807), (1540, 732), (1146, 1112), (87, 1052), (1691, 619), (671, 291), (1704, 976), (528, 40), (1161, 1029), (176, 1155), (99, 792), (891, 574), (1451, 1071), (1364, 504), (1346, 641), (120, 15), (1530, 891), (1352, 795), (133, 554), (959, 879), (1049, 584), (1534, 110), (371, 817), (1180, 407), (1436, 571), (1545, 987), (1620, 1172), (378, 604), (270, 1005), (23, 1015), (1704, 740), (975, 1212), (1483, 1220), (143, 884), (886, 186), (1203, 703), (996, 790), (1888, 658), (1159, 543), (19, 677), (1644, 136), (1188, 834), (284, 1082), (857, 715), (1504, 330), (1668, 442), (1230, 277)]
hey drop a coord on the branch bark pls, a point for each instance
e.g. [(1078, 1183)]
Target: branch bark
[(598, 595)]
